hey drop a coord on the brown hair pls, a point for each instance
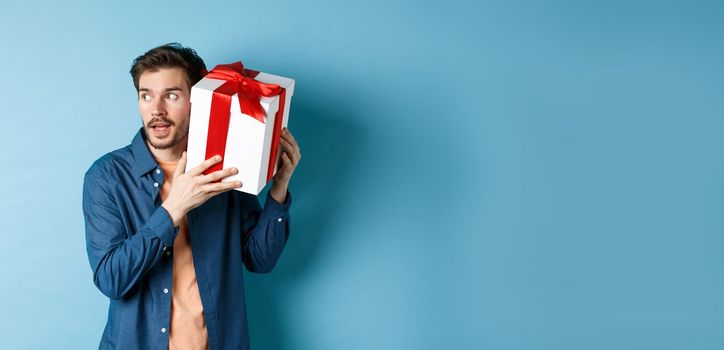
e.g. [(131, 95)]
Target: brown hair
[(171, 55)]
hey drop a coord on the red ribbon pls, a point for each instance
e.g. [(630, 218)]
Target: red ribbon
[(240, 81)]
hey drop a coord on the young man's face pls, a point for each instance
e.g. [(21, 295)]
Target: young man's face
[(164, 105)]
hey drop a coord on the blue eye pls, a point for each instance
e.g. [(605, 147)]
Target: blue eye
[(172, 97), (146, 97)]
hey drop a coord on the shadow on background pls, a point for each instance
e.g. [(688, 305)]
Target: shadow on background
[(330, 144)]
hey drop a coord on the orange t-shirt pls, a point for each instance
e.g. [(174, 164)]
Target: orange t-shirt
[(188, 327)]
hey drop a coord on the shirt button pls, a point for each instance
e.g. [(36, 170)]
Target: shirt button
[(279, 220), (163, 330), (158, 171), (155, 184), (164, 248), (168, 253), (165, 291)]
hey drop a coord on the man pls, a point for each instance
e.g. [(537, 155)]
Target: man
[(167, 246)]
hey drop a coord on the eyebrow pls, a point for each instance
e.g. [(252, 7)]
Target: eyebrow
[(174, 88)]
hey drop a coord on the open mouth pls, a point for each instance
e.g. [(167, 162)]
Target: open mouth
[(160, 129)]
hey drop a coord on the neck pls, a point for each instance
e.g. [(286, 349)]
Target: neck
[(171, 154)]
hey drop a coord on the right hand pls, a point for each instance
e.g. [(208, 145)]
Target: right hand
[(193, 188)]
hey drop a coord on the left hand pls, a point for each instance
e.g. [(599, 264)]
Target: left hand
[(290, 158)]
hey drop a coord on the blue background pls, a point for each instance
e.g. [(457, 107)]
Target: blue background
[(475, 175)]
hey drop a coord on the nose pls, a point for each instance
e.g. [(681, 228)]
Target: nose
[(158, 108)]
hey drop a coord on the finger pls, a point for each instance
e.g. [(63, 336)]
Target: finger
[(283, 167), (212, 194), (293, 150), (289, 147), (205, 165), (220, 186), (293, 155), (219, 174), (288, 135), (288, 163), (287, 160), (283, 164), (181, 165), (285, 144)]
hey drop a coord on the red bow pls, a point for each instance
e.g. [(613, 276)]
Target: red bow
[(249, 90)]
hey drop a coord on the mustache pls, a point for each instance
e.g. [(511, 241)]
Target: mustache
[(156, 120)]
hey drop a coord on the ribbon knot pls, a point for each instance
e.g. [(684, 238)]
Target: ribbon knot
[(248, 90)]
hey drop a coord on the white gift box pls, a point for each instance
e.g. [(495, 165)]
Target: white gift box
[(248, 141)]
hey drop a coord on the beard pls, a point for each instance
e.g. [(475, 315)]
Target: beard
[(177, 136)]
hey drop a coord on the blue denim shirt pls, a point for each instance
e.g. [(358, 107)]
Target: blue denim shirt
[(129, 240)]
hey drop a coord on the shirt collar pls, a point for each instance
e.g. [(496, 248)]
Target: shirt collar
[(144, 161)]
